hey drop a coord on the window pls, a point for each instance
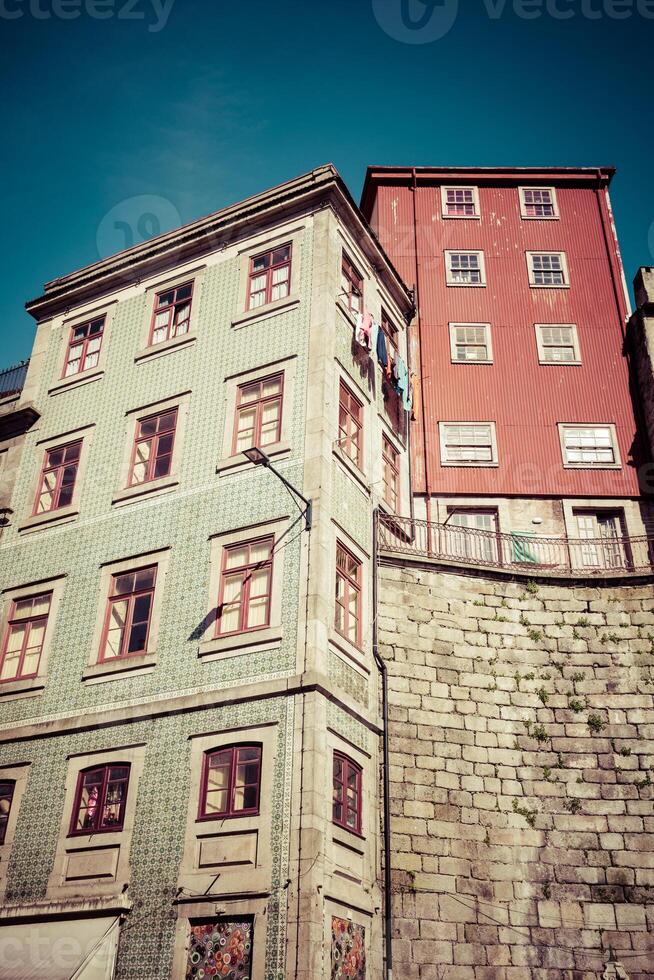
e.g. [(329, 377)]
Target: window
[(346, 806), (129, 610), (84, 347), (230, 782), (228, 942), (547, 269), (6, 796), (391, 466), (603, 537), (538, 202), (258, 413), (58, 476), (100, 800), (465, 269), (351, 285), (23, 643), (390, 332), (478, 538), (245, 586), (270, 277), (172, 313), (470, 342), (557, 343), (468, 444), (460, 202), (348, 595), (350, 424), (589, 445), (153, 447)]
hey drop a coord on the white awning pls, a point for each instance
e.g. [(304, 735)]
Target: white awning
[(61, 949)]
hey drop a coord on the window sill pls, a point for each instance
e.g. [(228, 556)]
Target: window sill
[(145, 489), (466, 285), (540, 217), (469, 363), (51, 518), (165, 347), (120, 665), (559, 363), (76, 380), (263, 312), (352, 469), (461, 217), (471, 465), (28, 687), (238, 644), (240, 462), (537, 285), (345, 646), (348, 838), (592, 466)]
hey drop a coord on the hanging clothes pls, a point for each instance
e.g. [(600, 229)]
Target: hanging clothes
[(374, 333), (401, 374), (413, 386), (380, 346), (366, 329)]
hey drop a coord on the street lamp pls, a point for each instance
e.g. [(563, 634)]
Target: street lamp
[(259, 458)]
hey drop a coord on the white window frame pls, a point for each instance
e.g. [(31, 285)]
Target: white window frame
[(532, 277), (460, 187), (616, 465), (534, 217), (488, 340), (442, 430), (541, 347), (464, 251)]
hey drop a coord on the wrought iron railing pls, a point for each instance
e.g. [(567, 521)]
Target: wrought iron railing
[(12, 379), (520, 553)]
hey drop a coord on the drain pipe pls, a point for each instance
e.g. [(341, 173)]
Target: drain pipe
[(383, 671)]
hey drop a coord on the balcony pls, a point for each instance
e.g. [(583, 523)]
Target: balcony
[(12, 380), (517, 553)]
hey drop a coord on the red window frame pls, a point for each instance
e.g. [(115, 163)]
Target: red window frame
[(343, 769), (143, 589), (233, 760), (259, 404), (351, 586), (350, 424), (58, 477), (83, 336), (391, 473), (172, 308), (101, 802), (7, 789), (29, 622), (244, 572), (352, 283), (274, 260), (162, 441)]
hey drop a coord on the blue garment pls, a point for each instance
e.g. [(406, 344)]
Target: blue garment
[(382, 355), (403, 387)]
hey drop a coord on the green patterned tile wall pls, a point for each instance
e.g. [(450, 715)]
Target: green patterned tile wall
[(146, 943), (204, 504)]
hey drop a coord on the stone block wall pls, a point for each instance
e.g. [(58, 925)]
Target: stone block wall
[(522, 760)]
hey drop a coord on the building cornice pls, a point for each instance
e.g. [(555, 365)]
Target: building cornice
[(318, 188)]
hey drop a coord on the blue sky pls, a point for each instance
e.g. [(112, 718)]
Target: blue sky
[(117, 127)]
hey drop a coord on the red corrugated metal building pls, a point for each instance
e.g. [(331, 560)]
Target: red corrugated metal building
[(521, 317)]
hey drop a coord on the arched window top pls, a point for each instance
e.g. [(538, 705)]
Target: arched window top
[(231, 781), (100, 799)]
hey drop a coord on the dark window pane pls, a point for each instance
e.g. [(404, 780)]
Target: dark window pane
[(137, 637)]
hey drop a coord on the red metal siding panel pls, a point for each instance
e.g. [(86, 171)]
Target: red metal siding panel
[(525, 399)]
